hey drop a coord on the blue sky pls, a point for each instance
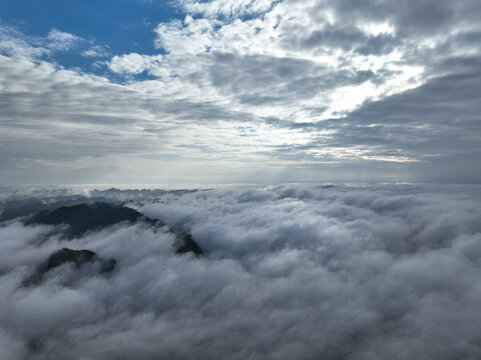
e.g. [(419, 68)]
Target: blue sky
[(245, 91), (123, 25), (119, 27)]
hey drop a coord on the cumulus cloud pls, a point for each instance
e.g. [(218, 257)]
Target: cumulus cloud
[(370, 272), (133, 63)]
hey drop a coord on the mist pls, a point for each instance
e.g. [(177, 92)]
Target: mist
[(288, 272)]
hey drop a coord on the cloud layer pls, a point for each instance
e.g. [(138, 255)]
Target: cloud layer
[(290, 272)]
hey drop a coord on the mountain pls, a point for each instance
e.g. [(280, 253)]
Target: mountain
[(188, 245), (79, 259), (83, 217)]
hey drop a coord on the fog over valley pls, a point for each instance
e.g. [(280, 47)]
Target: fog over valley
[(332, 272)]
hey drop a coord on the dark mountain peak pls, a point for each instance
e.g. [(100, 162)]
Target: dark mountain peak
[(65, 255), (83, 217), (187, 244), (19, 206), (77, 258)]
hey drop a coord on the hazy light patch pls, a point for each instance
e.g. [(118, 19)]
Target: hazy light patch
[(349, 98), (373, 63), (376, 29), (277, 136), (409, 78), (237, 141), (338, 154), (330, 16), (391, 158)]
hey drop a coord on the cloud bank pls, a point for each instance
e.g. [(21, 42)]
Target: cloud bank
[(370, 272)]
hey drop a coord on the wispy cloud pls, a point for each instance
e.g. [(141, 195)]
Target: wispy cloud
[(62, 41), (96, 51)]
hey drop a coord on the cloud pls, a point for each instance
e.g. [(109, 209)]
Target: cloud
[(289, 272), (133, 63), (96, 51), (340, 91), (197, 45), (226, 8), (15, 44), (409, 122), (62, 41)]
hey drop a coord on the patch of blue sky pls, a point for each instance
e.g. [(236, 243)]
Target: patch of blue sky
[(118, 27)]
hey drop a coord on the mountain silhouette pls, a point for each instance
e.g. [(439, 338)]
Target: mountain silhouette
[(77, 258), (82, 218)]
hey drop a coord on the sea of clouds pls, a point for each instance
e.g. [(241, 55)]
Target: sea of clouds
[(289, 272)]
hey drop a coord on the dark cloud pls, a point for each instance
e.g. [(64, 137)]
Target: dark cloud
[(369, 272), (411, 18), (282, 79), (435, 123), (348, 38)]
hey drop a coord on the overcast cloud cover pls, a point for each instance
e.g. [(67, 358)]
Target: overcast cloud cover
[(232, 91), (289, 272)]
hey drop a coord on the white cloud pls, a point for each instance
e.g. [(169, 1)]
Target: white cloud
[(13, 43), (189, 37), (133, 63), (96, 51), (278, 36), (62, 41), (226, 7), (290, 272)]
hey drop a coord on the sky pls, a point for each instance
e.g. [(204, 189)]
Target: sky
[(249, 91)]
